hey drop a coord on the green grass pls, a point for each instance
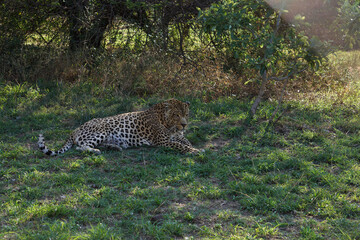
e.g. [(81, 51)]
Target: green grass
[(296, 179)]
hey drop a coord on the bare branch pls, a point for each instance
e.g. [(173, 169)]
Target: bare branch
[(261, 93), (279, 78), (291, 73)]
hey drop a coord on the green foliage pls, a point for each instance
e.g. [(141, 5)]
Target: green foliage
[(348, 22), (21, 18), (251, 35), (79, 25)]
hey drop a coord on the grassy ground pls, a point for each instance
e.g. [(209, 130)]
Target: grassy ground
[(297, 178)]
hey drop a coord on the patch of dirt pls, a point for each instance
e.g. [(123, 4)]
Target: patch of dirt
[(216, 144)]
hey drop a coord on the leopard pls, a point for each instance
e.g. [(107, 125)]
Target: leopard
[(163, 124)]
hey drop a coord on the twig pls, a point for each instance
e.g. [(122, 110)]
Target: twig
[(279, 101), (46, 42), (236, 183), (190, 62), (291, 73), (286, 78), (261, 93)]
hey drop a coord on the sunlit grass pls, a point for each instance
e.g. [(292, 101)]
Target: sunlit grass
[(341, 60), (296, 178)]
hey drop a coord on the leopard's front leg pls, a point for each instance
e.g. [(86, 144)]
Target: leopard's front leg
[(179, 137), (182, 147), (177, 146), (164, 137)]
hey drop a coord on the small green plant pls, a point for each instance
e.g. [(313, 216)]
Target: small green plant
[(100, 232), (189, 217), (266, 231), (95, 160)]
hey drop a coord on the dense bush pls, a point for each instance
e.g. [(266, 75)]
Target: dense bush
[(348, 21), (209, 47), (253, 37)]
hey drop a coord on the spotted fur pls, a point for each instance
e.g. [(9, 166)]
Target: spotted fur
[(160, 125)]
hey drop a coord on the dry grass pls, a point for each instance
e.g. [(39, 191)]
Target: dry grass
[(151, 73)]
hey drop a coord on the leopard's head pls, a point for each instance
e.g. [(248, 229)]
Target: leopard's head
[(174, 114)]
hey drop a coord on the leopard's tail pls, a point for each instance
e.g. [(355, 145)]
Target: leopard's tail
[(44, 149)]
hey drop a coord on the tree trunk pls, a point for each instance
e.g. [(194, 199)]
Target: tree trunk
[(261, 93), (81, 35)]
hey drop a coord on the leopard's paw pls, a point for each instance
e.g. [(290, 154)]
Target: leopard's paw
[(196, 151)]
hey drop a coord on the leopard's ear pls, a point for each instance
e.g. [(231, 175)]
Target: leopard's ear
[(167, 109), (187, 103), (166, 105)]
